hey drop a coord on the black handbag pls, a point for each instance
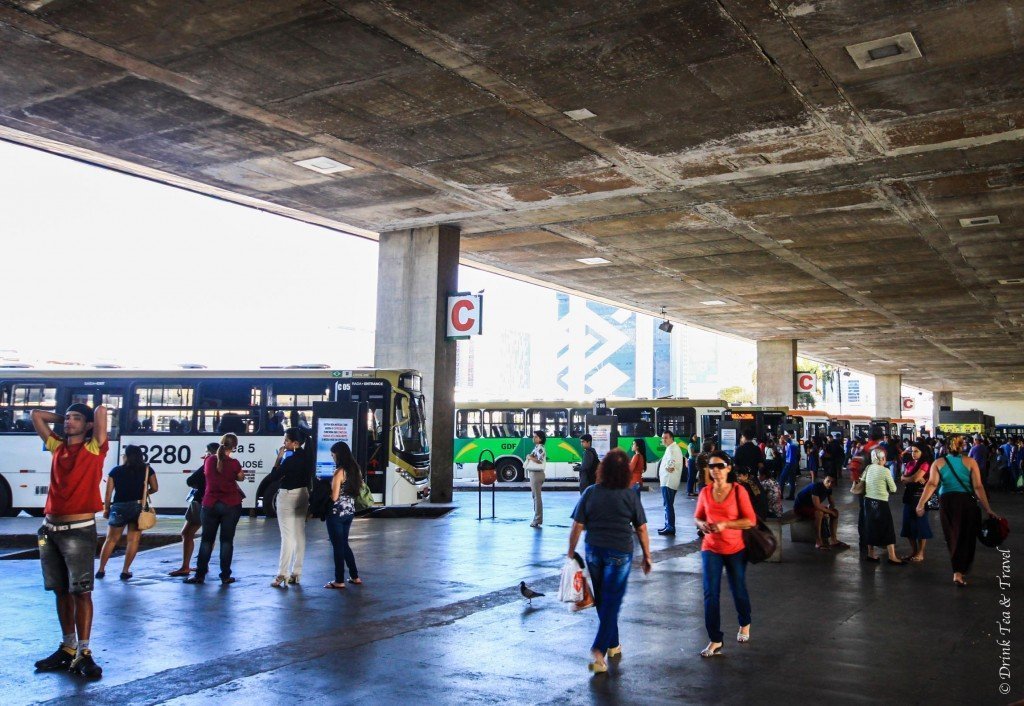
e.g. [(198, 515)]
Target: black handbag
[(758, 540)]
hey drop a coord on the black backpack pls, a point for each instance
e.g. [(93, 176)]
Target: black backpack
[(320, 498)]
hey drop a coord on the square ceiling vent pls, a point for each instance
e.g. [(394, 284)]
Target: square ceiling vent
[(979, 221), (323, 165), (885, 51)]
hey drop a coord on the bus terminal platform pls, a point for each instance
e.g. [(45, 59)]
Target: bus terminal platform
[(439, 620)]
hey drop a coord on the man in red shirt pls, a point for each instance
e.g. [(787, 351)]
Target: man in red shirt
[(67, 539)]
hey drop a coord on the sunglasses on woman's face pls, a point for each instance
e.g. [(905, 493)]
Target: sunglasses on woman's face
[(718, 466)]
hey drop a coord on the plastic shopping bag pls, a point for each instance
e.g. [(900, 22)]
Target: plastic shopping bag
[(571, 586)]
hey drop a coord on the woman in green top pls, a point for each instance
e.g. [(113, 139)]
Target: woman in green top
[(955, 476), (878, 527)]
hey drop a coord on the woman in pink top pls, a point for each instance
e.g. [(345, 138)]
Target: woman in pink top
[(222, 508), (723, 512)]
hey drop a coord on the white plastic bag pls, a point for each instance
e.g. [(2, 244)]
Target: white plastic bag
[(570, 588)]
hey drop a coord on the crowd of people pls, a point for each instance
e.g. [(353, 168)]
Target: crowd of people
[(67, 538), (733, 493)]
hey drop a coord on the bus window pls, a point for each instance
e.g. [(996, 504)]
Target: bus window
[(468, 424), (635, 421), (507, 423), (162, 409), (710, 424), (817, 429), (553, 422), (290, 404), (113, 403), (410, 428), (17, 402), (228, 407), (681, 421), (578, 422)]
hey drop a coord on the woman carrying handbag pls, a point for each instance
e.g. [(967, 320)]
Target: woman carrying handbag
[(130, 484)]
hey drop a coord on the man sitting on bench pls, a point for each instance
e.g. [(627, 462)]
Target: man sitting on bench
[(810, 503)]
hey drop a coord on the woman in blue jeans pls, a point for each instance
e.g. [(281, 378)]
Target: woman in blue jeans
[(723, 512), (345, 487), (608, 511)]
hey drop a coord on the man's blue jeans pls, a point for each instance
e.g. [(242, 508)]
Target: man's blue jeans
[(789, 472), (609, 571), (735, 566), (691, 476), (668, 498)]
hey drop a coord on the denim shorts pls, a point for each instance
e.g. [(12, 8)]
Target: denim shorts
[(193, 515), (123, 513), (67, 558)]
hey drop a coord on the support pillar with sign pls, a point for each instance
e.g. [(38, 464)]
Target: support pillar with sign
[(417, 269), (776, 363), (888, 396)]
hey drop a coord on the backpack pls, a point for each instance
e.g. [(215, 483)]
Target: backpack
[(364, 501), (320, 498)]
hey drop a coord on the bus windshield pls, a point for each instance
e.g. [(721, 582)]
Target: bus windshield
[(410, 423)]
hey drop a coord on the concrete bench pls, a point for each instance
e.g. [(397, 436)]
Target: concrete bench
[(801, 529)]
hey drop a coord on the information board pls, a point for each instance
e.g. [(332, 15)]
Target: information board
[(330, 431)]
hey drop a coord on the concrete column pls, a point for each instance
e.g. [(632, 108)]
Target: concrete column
[(776, 366), (940, 400), (889, 396), (417, 268)]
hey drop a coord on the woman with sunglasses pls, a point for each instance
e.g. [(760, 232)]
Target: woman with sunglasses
[(723, 512)]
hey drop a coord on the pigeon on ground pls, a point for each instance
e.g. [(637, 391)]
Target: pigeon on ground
[(528, 593)]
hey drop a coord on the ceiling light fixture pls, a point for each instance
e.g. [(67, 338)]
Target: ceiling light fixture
[(713, 302), (593, 260), (665, 325), (878, 360), (323, 165), (884, 51), (786, 328), (1014, 280), (978, 221), (785, 241), (842, 348), (579, 114)]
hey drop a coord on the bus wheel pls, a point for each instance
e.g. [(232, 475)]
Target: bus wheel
[(270, 501), (509, 470), (5, 500)]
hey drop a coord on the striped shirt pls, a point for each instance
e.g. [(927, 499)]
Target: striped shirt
[(878, 483)]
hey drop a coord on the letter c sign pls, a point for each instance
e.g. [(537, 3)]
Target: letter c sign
[(465, 315), (806, 382)]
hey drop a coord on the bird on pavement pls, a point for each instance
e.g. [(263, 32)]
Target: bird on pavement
[(528, 593)]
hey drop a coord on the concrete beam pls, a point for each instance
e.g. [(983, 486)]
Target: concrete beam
[(417, 268), (888, 396), (776, 364)]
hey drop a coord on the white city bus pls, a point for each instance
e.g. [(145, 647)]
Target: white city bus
[(173, 415)]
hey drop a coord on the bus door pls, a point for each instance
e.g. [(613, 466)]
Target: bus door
[(376, 393), (112, 398), (95, 394), (732, 426), (794, 426), (817, 429)]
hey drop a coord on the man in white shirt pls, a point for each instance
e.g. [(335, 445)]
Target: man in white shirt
[(670, 472)]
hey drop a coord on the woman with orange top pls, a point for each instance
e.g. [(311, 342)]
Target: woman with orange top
[(637, 465), (723, 512)]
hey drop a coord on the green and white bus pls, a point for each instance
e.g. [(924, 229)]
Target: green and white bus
[(506, 430)]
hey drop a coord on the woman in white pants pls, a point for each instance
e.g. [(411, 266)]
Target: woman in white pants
[(293, 470), (536, 462)]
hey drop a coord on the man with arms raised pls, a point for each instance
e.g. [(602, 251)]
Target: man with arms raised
[(67, 539)]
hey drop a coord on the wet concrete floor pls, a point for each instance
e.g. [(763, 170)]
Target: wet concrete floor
[(439, 621)]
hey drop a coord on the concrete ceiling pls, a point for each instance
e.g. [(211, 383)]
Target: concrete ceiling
[(723, 130)]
